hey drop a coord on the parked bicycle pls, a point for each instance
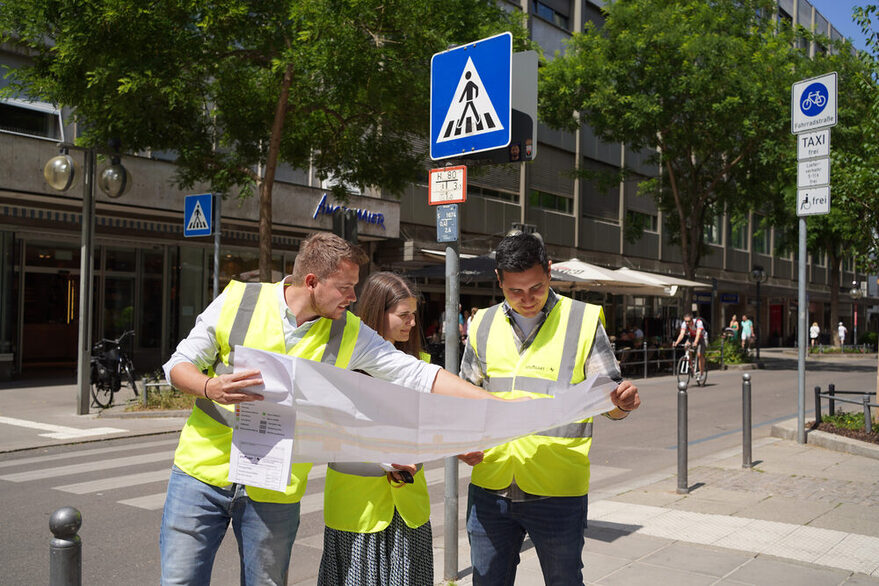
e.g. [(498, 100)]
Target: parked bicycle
[(110, 368), (688, 367)]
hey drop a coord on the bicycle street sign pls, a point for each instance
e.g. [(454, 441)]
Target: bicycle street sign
[(813, 103)]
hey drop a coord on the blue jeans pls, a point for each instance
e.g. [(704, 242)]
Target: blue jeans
[(497, 526), (194, 522)]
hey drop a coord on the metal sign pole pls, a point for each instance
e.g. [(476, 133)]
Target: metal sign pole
[(86, 267), (218, 199), (450, 524), (802, 317)]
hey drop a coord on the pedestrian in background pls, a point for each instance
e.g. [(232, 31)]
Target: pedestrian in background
[(814, 332), (747, 331), (534, 344), (734, 326), (843, 332), (377, 522)]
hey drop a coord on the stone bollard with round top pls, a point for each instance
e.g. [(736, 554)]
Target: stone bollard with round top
[(65, 550)]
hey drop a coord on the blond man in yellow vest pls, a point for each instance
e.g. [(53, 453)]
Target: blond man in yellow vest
[(305, 315), (534, 344)]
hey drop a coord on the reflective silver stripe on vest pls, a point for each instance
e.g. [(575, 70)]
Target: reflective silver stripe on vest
[(572, 336), (360, 468), (571, 430), (240, 325), (500, 384), (532, 384), (219, 415), (482, 335), (334, 344)]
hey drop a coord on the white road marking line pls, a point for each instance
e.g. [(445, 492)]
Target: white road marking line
[(84, 453), (60, 431), (151, 502), (116, 482), (88, 467)]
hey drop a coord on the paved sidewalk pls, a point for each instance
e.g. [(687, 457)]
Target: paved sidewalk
[(36, 414), (801, 515)]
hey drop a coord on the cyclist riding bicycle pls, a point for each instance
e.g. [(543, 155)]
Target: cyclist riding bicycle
[(694, 330)]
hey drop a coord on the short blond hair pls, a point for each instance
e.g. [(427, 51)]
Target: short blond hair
[(321, 254)]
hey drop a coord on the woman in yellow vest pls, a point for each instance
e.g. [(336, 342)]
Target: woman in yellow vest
[(377, 522)]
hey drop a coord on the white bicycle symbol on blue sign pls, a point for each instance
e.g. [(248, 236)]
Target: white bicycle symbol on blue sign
[(814, 100)]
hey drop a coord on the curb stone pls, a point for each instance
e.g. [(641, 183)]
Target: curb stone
[(838, 443)]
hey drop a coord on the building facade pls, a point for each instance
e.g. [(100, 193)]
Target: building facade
[(150, 278)]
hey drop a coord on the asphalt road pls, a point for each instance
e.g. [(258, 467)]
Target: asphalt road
[(118, 485)]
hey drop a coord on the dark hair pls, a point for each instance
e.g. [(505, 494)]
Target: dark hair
[(381, 293), (689, 314), (321, 253), (519, 252)]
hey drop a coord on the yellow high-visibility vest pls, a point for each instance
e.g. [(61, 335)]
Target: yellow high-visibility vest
[(359, 499), (250, 317), (554, 462)]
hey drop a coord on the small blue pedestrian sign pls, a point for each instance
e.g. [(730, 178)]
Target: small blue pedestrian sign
[(198, 214), (470, 97)]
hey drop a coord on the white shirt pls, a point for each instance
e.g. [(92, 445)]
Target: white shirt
[(814, 331), (372, 353)]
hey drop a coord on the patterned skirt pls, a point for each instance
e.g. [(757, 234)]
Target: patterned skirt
[(397, 556)]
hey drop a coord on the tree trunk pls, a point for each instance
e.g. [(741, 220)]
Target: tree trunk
[(265, 192), (833, 263)]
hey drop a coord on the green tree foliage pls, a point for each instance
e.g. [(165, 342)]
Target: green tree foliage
[(840, 233), (705, 85), (236, 86), (855, 170)]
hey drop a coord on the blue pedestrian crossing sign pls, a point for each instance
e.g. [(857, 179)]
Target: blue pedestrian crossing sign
[(470, 97), (198, 215)]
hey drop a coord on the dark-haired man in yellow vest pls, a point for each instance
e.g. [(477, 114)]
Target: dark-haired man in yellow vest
[(305, 315), (532, 344)]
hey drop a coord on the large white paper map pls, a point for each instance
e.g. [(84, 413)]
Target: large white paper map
[(338, 415)]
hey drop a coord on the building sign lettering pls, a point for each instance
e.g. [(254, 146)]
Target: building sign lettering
[(325, 207)]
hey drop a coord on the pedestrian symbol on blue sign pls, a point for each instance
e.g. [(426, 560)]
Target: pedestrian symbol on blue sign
[(198, 215), (814, 99), (470, 98), (472, 112)]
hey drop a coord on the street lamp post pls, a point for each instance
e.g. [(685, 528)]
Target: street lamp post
[(855, 292), (60, 173), (758, 275)]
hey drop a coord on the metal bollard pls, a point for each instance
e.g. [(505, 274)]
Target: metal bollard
[(868, 421), (817, 404), (683, 485), (746, 421), (831, 390), (65, 550)]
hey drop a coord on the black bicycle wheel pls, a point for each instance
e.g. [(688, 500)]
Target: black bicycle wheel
[(128, 371), (102, 395), (683, 369), (701, 377)]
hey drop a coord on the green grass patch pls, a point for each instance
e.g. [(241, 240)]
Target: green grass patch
[(733, 353), (162, 398), (852, 421)]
